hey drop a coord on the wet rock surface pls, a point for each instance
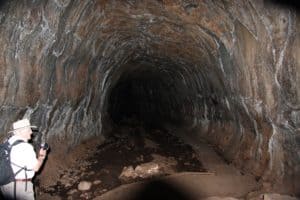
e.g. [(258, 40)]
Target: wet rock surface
[(124, 159)]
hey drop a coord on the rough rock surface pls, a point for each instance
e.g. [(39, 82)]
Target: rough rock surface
[(232, 67)]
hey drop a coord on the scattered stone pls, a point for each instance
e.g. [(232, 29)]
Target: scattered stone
[(84, 185), (83, 174), (97, 182), (65, 176), (166, 164), (67, 181), (86, 195), (140, 158), (70, 198), (51, 189), (128, 173), (71, 192), (147, 170), (106, 171), (68, 185), (82, 168), (91, 173)]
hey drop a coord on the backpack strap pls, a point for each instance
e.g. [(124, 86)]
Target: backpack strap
[(16, 143)]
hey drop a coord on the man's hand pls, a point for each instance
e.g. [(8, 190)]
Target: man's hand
[(42, 154)]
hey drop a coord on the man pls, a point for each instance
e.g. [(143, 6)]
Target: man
[(24, 162)]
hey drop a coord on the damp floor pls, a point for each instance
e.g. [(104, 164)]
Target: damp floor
[(130, 149)]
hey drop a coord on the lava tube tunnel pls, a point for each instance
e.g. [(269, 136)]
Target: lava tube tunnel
[(199, 93)]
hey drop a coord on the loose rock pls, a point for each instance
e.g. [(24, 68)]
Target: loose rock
[(84, 185), (97, 182), (128, 173), (147, 170), (72, 192)]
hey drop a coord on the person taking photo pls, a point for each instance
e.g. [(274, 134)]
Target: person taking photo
[(24, 162)]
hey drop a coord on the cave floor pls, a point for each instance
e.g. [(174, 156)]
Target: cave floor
[(127, 162)]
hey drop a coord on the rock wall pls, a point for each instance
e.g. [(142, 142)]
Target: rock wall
[(227, 70)]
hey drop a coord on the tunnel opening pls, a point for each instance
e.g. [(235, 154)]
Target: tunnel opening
[(150, 96), (173, 95), (167, 93)]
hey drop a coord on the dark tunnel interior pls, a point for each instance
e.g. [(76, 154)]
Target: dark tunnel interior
[(162, 93), (149, 96)]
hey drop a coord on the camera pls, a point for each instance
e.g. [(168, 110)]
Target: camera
[(44, 146)]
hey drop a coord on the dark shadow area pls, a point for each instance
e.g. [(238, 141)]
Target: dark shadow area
[(2, 3), (291, 4), (159, 189), (157, 93), (150, 97)]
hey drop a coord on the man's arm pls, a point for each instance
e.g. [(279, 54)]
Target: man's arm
[(40, 160)]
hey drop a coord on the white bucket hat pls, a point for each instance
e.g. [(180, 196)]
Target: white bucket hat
[(23, 123)]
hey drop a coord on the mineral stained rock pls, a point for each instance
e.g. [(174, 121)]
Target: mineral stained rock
[(224, 70)]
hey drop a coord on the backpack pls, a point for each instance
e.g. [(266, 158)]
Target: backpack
[(6, 172)]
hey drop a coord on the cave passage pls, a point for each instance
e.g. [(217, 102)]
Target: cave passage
[(150, 96), (226, 72), (160, 93)]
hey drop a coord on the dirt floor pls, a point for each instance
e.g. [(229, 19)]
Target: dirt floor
[(133, 164)]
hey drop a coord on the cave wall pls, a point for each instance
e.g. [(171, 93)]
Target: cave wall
[(61, 59)]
